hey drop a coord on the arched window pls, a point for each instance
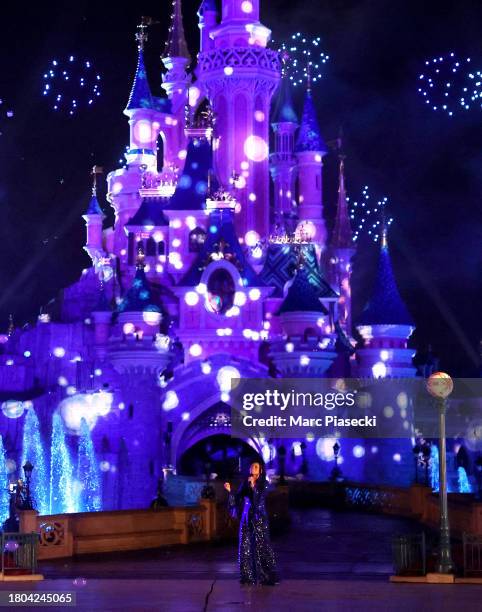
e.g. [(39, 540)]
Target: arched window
[(161, 247), (151, 247), (197, 237), (130, 248), (221, 290)]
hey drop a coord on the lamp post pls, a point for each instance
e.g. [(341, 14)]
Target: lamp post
[(336, 471), (440, 386), (27, 502)]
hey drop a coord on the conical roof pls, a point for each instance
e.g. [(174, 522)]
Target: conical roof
[(385, 306), (309, 136)]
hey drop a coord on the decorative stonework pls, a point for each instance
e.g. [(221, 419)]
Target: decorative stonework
[(52, 533), (253, 58), (195, 524)]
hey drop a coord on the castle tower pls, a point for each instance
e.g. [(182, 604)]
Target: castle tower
[(240, 75), (93, 222), (176, 58), (310, 150), (342, 251), (385, 325), (283, 161)]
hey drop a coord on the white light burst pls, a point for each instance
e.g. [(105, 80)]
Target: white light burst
[(304, 51), (366, 215)]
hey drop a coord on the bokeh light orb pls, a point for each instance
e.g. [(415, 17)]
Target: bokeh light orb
[(324, 448), (225, 376), (75, 408), (255, 148), (251, 238), (171, 401)]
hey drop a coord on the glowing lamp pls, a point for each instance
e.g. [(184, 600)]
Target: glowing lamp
[(13, 409), (59, 351), (255, 148), (254, 294), (440, 385)]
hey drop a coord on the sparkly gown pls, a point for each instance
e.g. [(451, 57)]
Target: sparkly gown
[(256, 557)]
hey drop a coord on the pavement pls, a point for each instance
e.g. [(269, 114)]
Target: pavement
[(327, 561)]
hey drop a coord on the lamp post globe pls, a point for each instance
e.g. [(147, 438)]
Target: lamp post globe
[(440, 386)]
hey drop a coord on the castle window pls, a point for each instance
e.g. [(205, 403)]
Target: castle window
[(221, 290), (161, 248), (197, 237)]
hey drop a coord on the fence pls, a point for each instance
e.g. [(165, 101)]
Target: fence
[(19, 553)]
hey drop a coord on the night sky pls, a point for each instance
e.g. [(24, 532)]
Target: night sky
[(428, 164)]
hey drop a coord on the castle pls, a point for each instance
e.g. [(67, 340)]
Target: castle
[(219, 265)]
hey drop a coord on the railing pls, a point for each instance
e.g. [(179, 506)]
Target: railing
[(472, 545), (19, 553), (409, 555)]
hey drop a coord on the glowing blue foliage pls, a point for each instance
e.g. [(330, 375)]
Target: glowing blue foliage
[(4, 497), (61, 471), (88, 475), (33, 450)]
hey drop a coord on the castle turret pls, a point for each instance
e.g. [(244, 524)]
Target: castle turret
[(341, 252), (176, 58), (385, 325), (240, 75), (208, 19), (283, 161), (310, 150), (93, 222)]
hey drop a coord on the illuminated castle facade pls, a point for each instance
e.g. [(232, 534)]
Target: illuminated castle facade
[(219, 265)]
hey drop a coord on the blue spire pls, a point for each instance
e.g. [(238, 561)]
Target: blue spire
[(302, 296), (149, 213), (222, 238), (94, 206), (140, 96), (283, 111), (139, 297), (309, 136), (385, 307), (207, 5), (192, 186)]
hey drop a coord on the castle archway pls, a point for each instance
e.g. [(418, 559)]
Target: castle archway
[(218, 454)]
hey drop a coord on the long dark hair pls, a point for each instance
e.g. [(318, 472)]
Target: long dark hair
[(261, 480)]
